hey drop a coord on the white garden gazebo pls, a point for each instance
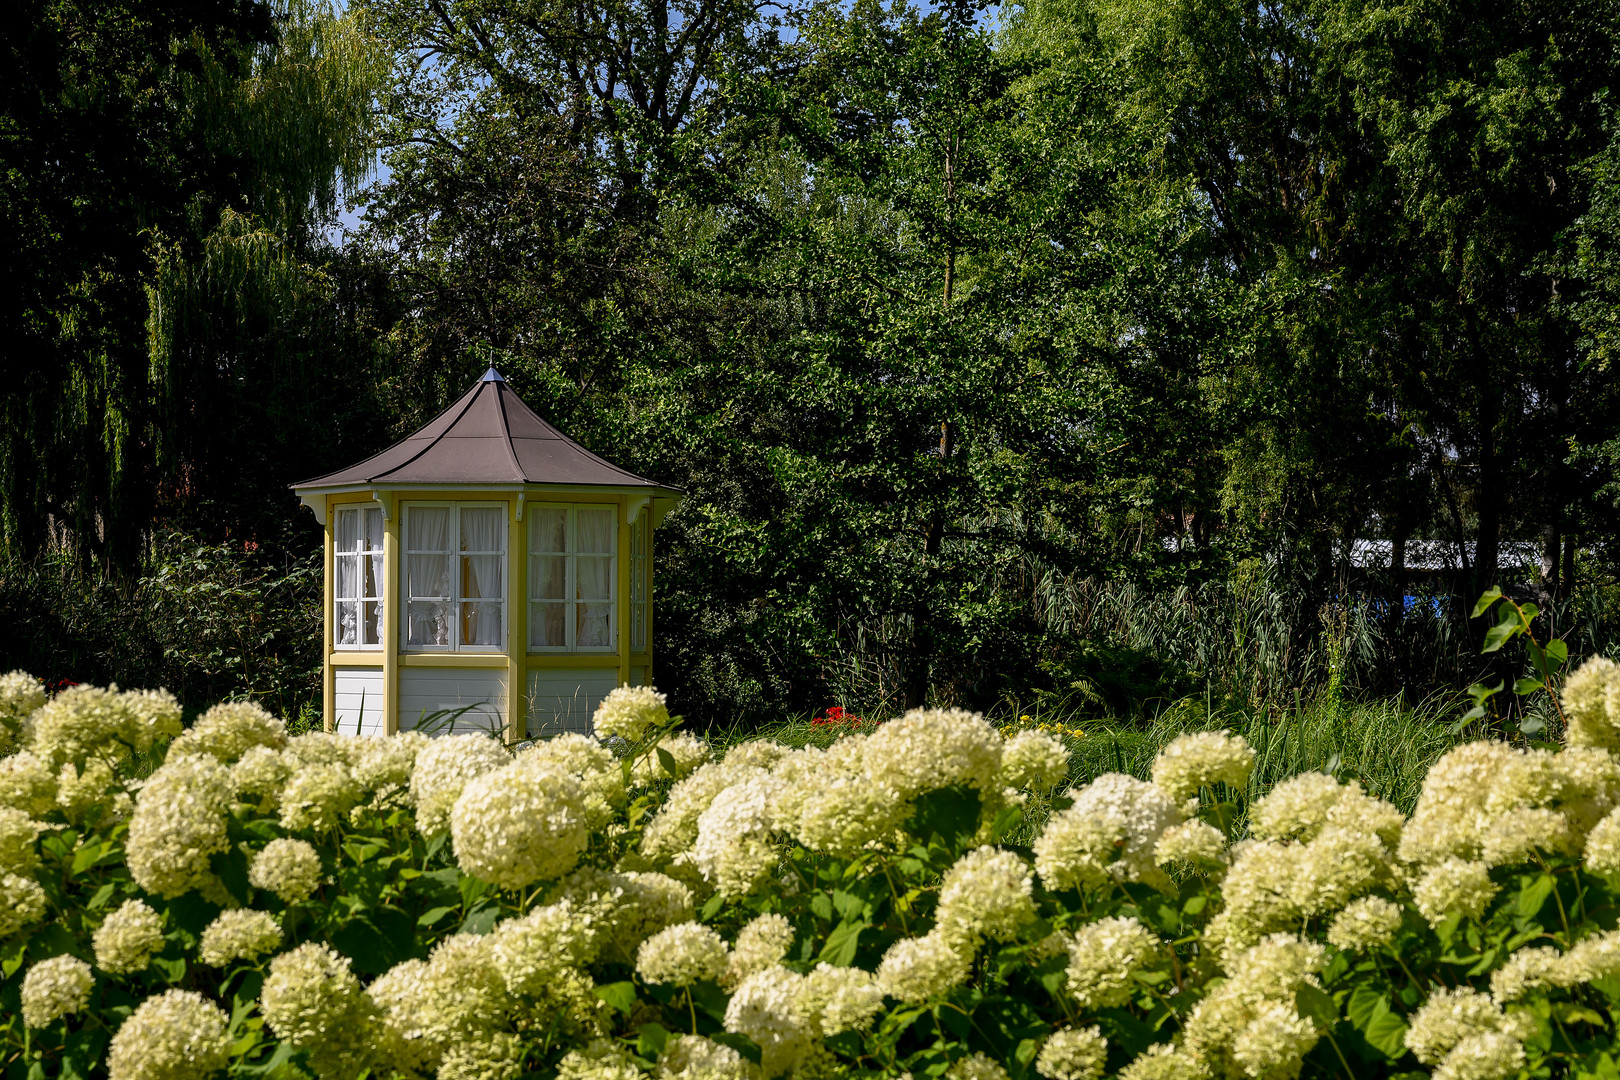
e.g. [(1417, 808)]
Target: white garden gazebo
[(487, 565)]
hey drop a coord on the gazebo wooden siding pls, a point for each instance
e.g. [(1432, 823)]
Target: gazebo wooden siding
[(490, 458)]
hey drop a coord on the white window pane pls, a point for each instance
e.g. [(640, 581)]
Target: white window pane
[(481, 624), (595, 529), (591, 630), (348, 531), (372, 581), (638, 626), (593, 577), (427, 624), (481, 576), (428, 575), (344, 588), (548, 625), (374, 529), (548, 577), (427, 528), (347, 624), (482, 529), (548, 530), (371, 625)]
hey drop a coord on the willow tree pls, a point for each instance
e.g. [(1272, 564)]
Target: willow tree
[(166, 167)]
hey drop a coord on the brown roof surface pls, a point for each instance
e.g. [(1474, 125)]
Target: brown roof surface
[(487, 437)]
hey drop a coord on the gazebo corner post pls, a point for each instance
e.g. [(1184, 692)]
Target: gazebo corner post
[(393, 610), (328, 675), (517, 624), (621, 574)]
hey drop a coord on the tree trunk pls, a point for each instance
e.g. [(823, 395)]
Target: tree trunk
[(1551, 549), (918, 677)]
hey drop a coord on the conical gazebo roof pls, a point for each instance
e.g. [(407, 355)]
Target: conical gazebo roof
[(488, 437)]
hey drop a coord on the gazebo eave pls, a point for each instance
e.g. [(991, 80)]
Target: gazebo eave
[(663, 499)]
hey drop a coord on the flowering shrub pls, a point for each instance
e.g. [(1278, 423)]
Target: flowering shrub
[(232, 900)]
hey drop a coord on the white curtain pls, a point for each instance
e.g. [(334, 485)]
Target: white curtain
[(348, 530), (595, 531), (548, 530), (427, 573), (482, 530)]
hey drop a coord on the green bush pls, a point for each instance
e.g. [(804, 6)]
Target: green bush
[(229, 900)]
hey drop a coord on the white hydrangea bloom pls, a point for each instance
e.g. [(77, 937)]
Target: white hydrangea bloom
[(317, 797), (599, 773), (1450, 1016), (1515, 838), (18, 831), (692, 1057), (54, 988), (78, 790), (928, 749), (1301, 807), (229, 730), (1073, 1054), (978, 1066), (1338, 865), (682, 955), (1454, 887), (1107, 834), (239, 934), (1489, 1055), (1190, 762), (313, 1002), (126, 941), (1368, 923), (259, 777), (20, 695), (988, 893), (917, 969), (1526, 971), (178, 1035), (289, 868), (764, 1009), (1592, 958), (179, 824), (757, 754), (733, 849), (1603, 846), (1273, 1044), (534, 951), (22, 903), (1257, 892), (457, 995), (1164, 1061), (386, 761), (761, 944), (84, 722), (1034, 761), (635, 904), (685, 750), (443, 768), (156, 711), (842, 812), (489, 1055), (675, 827), (1277, 966), (1194, 845), (1103, 957), (629, 712), (837, 999), (519, 824), (1591, 700), (27, 783), (601, 1059)]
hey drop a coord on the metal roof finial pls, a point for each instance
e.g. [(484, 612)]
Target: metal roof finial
[(492, 375)]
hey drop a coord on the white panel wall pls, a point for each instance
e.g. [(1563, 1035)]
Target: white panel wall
[(638, 676), (434, 690), (358, 701), (564, 699)]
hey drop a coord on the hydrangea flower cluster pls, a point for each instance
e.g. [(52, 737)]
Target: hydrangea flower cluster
[(54, 988), (127, 939)]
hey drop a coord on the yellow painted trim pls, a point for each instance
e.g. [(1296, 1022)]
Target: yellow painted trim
[(652, 532), (328, 676), (623, 573), (517, 624), (393, 616), (370, 658), (490, 660), (543, 661)]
